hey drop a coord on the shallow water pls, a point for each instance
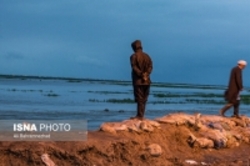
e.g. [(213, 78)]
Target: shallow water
[(61, 99)]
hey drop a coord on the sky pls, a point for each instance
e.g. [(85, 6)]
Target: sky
[(195, 41)]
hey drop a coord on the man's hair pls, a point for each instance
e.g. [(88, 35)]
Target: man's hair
[(136, 45)]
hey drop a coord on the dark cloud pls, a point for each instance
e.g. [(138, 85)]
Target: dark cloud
[(185, 38)]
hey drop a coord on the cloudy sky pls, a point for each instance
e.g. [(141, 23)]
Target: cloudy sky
[(189, 41)]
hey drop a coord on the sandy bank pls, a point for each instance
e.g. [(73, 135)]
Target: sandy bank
[(177, 141)]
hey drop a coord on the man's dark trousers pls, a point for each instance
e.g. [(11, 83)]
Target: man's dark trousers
[(236, 105), (141, 93)]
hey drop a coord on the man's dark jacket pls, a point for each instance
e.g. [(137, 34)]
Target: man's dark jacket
[(141, 64), (235, 85)]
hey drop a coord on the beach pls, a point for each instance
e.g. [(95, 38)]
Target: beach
[(124, 148), (102, 101)]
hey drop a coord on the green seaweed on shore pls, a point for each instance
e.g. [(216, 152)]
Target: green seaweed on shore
[(25, 90), (187, 101), (74, 81), (188, 86), (127, 100), (94, 100), (109, 92), (170, 85), (165, 102), (245, 99), (51, 95), (211, 101), (122, 101), (203, 95)]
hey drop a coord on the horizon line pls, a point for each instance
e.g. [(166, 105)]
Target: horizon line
[(11, 76)]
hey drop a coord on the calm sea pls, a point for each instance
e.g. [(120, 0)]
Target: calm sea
[(94, 101)]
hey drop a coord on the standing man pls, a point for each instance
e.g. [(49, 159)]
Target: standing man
[(142, 66), (232, 94)]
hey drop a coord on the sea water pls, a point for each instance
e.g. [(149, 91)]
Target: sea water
[(42, 99)]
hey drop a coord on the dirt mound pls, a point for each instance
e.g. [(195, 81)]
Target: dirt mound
[(166, 145)]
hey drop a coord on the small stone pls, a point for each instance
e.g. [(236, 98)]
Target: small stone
[(106, 128), (204, 143), (203, 163), (47, 161), (146, 127), (121, 127), (154, 150), (191, 162)]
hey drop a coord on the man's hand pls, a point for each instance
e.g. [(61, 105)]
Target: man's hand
[(145, 76)]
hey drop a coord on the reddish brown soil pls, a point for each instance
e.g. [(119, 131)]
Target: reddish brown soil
[(122, 149)]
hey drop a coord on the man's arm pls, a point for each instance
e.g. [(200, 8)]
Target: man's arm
[(239, 79), (135, 68), (150, 66)]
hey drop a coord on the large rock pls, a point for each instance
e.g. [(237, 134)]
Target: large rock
[(200, 142), (107, 128), (177, 119), (146, 126), (130, 125)]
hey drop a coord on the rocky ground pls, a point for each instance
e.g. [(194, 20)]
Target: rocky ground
[(174, 140)]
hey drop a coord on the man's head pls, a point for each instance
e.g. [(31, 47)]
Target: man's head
[(242, 64), (136, 45)]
